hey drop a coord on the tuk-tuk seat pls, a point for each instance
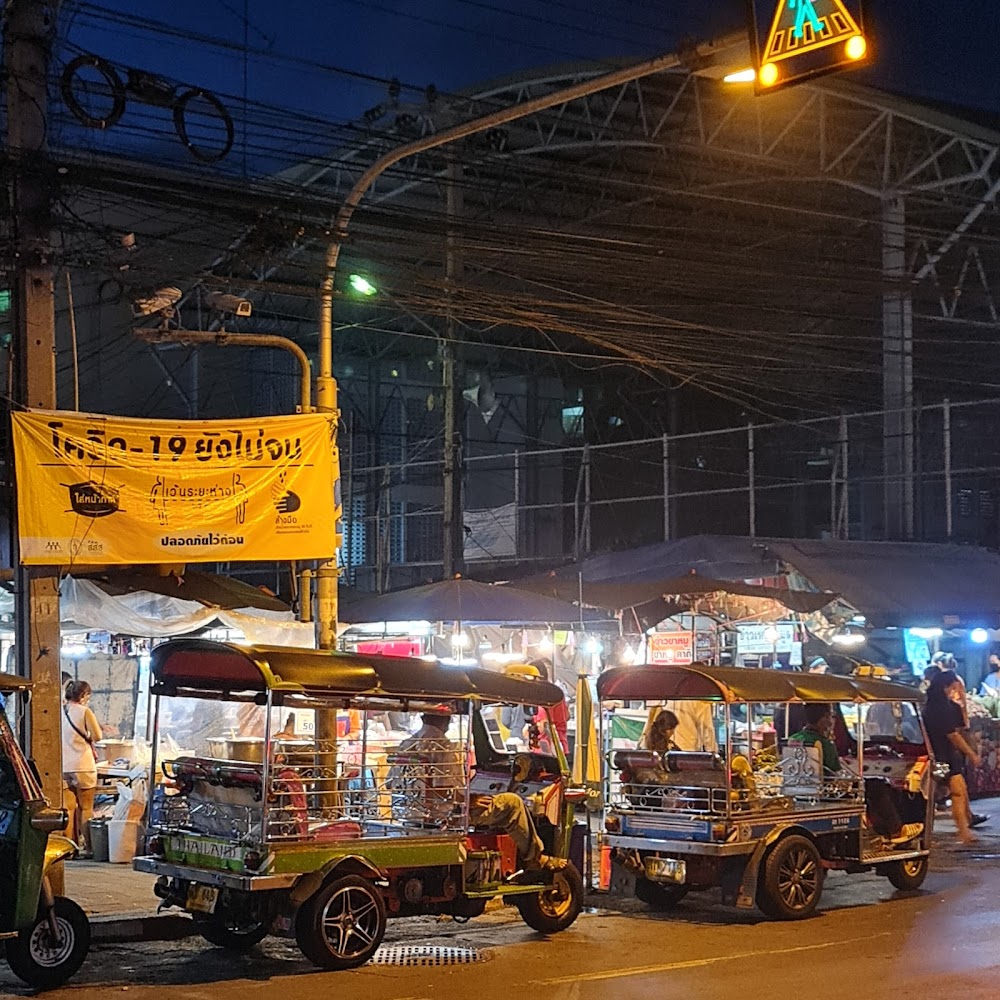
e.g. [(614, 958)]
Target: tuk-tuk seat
[(186, 771), (630, 762), (692, 760)]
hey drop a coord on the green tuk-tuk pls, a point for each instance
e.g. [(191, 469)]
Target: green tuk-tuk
[(46, 937), (305, 804)]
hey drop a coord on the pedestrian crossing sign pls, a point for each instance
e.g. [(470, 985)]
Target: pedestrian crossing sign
[(793, 40)]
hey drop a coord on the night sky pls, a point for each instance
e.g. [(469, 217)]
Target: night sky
[(925, 48)]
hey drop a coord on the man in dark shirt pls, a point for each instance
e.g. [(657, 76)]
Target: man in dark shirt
[(880, 801), (944, 720)]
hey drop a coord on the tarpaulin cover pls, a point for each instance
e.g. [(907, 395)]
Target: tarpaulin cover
[(85, 606), (628, 594), (891, 583), (467, 601)]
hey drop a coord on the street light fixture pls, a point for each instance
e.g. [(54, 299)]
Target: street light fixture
[(360, 284)]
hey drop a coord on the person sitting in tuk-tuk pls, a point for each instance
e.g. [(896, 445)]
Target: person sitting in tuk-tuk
[(444, 790), (880, 797), (660, 735)]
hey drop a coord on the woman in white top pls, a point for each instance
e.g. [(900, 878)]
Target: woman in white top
[(80, 731)]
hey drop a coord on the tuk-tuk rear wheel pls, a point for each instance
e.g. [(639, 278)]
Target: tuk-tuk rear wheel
[(557, 905), (341, 925), (218, 929), (792, 880), (43, 963)]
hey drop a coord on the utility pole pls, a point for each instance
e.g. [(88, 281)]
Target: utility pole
[(452, 528), (28, 35)]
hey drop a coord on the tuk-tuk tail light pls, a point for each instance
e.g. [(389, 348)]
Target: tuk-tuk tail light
[(252, 861), (154, 845), (719, 831), (613, 824)]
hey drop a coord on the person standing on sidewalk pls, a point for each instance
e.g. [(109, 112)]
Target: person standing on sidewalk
[(945, 721), (80, 731)]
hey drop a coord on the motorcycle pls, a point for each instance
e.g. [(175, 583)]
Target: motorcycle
[(45, 937)]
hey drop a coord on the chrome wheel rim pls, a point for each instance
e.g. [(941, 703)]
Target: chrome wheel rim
[(798, 878), (350, 921)]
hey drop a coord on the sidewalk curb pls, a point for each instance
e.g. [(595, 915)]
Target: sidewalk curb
[(120, 927)]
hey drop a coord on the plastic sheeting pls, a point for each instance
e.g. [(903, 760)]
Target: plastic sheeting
[(83, 604)]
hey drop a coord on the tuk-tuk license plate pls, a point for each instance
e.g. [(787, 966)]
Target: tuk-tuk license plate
[(202, 898), (666, 870)]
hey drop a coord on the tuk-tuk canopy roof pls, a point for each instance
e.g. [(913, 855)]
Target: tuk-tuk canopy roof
[(702, 682), (214, 667)]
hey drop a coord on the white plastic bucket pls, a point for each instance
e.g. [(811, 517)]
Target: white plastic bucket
[(123, 836)]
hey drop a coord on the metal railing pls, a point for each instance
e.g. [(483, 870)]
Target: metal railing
[(827, 476)]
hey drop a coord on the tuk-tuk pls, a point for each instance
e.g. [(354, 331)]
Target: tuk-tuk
[(46, 937), (761, 814), (285, 816)]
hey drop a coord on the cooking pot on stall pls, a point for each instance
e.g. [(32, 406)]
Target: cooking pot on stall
[(245, 749)]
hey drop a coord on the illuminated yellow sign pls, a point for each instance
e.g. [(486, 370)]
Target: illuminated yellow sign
[(805, 38), (100, 490)]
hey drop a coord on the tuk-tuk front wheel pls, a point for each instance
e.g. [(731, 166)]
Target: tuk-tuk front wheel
[(792, 881), (904, 875), (557, 905), (224, 932), (341, 926), (44, 961)]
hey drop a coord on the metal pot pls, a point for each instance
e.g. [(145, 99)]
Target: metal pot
[(245, 749)]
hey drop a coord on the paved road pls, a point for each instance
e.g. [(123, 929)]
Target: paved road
[(867, 941)]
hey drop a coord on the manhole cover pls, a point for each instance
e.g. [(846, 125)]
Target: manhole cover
[(426, 954)]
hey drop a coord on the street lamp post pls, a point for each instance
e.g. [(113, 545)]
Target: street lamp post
[(326, 386)]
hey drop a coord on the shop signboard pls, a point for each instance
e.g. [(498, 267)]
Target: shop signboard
[(671, 647), (750, 639), (102, 490)]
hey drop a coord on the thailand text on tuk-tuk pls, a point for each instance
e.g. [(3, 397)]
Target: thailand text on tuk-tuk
[(45, 937), (780, 803), (298, 802)]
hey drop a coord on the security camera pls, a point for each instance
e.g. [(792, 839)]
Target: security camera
[(160, 301), (232, 304)]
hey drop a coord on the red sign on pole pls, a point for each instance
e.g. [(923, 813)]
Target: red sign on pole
[(671, 647)]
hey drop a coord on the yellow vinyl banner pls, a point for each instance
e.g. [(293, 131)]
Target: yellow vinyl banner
[(97, 490)]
